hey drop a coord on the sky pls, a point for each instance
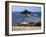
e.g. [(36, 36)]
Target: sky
[(22, 8)]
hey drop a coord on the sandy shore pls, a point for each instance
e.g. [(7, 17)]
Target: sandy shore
[(20, 28)]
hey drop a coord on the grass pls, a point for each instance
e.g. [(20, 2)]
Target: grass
[(30, 24)]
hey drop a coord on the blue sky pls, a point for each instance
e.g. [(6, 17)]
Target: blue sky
[(22, 8)]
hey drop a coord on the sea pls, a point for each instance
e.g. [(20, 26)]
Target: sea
[(17, 18)]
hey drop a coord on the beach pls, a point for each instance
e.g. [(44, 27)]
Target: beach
[(23, 28)]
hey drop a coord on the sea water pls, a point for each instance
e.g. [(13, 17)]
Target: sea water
[(17, 18)]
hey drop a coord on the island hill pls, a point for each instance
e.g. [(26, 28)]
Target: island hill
[(26, 13)]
